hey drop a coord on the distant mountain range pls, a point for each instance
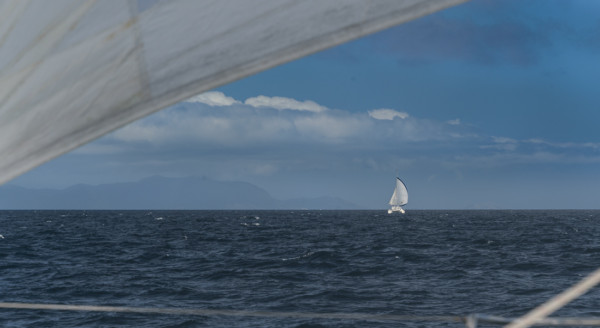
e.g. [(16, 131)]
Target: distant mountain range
[(160, 193)]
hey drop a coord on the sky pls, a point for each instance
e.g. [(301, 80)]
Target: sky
[(486, 105)]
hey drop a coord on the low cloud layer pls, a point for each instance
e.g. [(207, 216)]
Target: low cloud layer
[(304, 131), (214, 120)]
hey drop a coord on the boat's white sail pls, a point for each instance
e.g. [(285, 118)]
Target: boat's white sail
[(399, 197), (73, 70)]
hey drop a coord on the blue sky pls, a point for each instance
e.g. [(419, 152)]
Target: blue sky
[(490, 104)]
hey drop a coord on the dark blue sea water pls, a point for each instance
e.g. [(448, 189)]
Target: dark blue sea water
[(422, 263)]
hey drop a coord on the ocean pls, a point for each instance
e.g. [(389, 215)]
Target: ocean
[(423, 263)]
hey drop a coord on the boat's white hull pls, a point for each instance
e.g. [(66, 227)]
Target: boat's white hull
[(396, 209)]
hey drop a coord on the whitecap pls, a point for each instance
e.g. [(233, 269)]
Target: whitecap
[(299, 257)]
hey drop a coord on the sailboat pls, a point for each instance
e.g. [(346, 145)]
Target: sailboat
[(399, 197)]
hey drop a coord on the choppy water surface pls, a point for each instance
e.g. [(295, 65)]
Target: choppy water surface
[(421, 263)]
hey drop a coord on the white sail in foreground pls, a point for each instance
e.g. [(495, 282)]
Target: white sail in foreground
[(399, 197), (73, 70)]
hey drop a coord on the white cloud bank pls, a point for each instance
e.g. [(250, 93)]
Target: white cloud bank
[(282, 103), (213, 98), (387, 114), (235, 125), (302, 127)]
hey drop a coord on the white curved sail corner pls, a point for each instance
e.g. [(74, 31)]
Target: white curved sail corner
[(399, 197), (73, 70)]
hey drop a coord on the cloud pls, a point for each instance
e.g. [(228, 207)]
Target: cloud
[(282, 103), (563, 145), (504, 140), (503, 143), (535, 141), (502, 151), (387, 114), (454, 122), (213, 98), (331, 127), (508, 159)]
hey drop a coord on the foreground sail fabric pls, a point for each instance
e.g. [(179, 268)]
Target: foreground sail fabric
[(73, 70)]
